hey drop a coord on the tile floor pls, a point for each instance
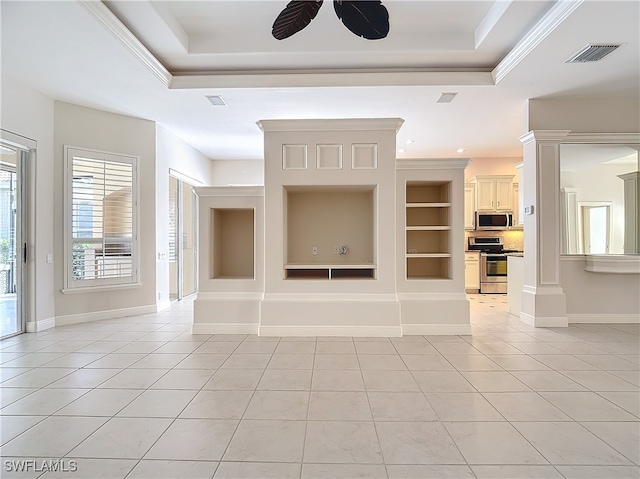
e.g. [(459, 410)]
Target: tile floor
[(140, 397)]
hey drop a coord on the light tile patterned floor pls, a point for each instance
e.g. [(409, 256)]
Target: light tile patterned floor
[(140, 397)]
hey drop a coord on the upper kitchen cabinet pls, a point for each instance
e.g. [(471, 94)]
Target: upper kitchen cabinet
[(469, 206), (494, 193)]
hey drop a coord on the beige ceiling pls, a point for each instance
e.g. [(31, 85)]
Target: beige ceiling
[(158, 60)]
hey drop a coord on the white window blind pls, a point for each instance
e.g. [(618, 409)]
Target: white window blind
[(101, 228)]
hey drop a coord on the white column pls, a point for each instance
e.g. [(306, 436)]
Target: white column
[(631, 212), (543, 299)]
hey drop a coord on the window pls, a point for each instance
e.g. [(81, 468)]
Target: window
[(101, 234)]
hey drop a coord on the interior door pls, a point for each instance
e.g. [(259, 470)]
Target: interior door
[(596, 229), (13, 161)]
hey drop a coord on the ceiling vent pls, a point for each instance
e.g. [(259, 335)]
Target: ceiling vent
[(216, 100), (592, 53), (447, 97)]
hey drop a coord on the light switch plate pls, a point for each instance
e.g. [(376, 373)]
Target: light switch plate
[(528, 210)]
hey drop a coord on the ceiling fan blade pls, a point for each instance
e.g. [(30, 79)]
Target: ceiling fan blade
[(296, 15), (367, 19)]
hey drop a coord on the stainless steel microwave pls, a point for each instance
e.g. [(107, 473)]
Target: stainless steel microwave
[(494, 221)]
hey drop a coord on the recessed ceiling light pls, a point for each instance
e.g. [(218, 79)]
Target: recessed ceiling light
[(460, 150), (408, 142), (447, 97), (216, 100), (402, 150)]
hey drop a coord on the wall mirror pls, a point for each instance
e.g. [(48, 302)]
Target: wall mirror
[(594, 217)]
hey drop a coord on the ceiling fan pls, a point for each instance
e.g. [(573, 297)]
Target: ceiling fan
[(366, 19)]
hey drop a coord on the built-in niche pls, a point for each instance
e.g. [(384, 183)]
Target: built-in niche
[(428, 230), (233, 246), (329, 232)]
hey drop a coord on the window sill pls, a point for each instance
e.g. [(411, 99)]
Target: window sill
[(97, 289), (613, 263)]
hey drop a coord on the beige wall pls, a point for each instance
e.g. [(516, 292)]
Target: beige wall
[(586, 115), (492, 166), (28, 113), (237, 172), (93, 129)]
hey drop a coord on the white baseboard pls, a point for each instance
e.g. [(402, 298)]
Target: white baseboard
[(36, 326), (603, 318), (224, 328), (354, 331), (436, 329), (548, 322), (99, 315)]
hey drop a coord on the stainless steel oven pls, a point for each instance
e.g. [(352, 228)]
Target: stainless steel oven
[(493, 273)]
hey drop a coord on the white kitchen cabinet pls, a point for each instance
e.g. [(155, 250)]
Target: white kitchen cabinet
[(494, 193), (472, 271), (518, 220), (469, 206)]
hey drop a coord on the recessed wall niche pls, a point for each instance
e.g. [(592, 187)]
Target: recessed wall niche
[(320, 218), (233, 247)]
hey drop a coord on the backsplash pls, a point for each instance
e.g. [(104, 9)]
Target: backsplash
[(511, 239)]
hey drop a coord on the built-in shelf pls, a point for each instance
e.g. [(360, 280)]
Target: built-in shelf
[(232, 249), (329, 272), (427, 229)]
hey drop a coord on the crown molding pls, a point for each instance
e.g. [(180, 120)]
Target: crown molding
[(544, 135), (113, 25), (547, 24), (350, 124), (616, 138), (432, 163), (320, 78), (229, 190)]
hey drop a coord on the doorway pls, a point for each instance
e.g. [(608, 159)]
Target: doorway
[(13, 161), (183, 246), (595, 227)]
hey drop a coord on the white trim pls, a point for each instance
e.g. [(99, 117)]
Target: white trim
[(555, 136), (319, 330), (95, 289), (185, 178), (18, 141), (612, 263), (37, 326), (603, 318), (331, 297), (544, 322), (432, 163), (108, 314), (229, 296), (224, 328), (436, 329), (547, 24), (324, 78), (617, 138), (229, 190), (350, 124), (113, 25)]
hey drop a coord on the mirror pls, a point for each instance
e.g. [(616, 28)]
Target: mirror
[(593, 216)]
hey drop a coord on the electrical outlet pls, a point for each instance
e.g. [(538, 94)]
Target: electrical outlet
[(314, 250), (336, 250), (413, 251)]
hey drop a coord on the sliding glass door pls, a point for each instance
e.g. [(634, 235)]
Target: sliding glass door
[(12, 161), (183, 246)]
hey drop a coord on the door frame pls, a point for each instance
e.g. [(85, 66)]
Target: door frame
[(25, 228), (582, 207)]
